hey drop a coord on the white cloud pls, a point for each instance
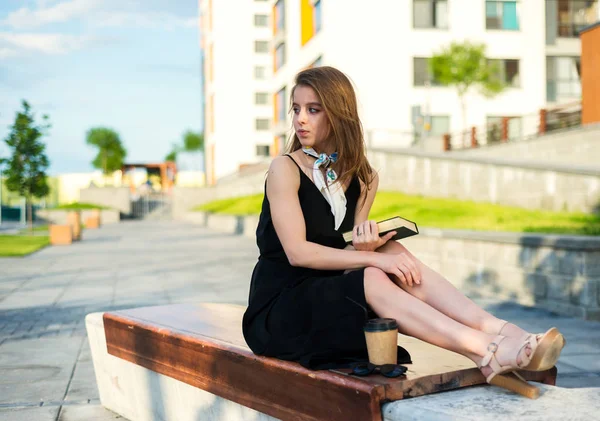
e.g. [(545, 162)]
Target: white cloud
[(112, 13), (12, 44), (24, 17), (148, 19)]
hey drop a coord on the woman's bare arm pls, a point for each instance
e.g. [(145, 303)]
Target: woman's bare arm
[(282, 192)]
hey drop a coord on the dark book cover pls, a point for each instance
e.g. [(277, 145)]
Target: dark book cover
[(403, 227)]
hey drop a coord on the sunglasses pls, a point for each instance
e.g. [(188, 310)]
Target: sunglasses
[(387, 370)]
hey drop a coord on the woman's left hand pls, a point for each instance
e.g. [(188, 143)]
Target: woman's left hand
[(365, 236)]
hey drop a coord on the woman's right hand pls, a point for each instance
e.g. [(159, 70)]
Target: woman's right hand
[(400, 267)]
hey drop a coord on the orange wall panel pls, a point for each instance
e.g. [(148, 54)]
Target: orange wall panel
[(590, 69)]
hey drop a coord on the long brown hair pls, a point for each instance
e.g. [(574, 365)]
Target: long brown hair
[(338, 98)]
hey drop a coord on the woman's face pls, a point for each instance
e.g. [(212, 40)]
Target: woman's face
[(310, 122)]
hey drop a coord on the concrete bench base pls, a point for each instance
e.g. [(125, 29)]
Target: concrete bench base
[(139, 394), (485, 403)]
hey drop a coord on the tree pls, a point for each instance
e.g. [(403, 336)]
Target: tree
[(192, 142), (464, 66), (111, 152), (27, 165), (175, 149)]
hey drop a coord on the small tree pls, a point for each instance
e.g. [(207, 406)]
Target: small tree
[(111, 152), (192, 142), (464, 66), (27, 165)]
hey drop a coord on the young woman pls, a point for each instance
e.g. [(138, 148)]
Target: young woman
[(308, 287)]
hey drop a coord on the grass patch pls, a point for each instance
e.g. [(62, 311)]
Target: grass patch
[(246, 205), (79, 206), (458, 214), (39, 228), (21, 245), (447, 213)]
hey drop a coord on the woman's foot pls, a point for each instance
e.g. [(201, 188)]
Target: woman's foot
[(505, 355), (545, 348)]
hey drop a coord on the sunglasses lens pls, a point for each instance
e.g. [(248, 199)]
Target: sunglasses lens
[(362, 370), (392, 370)]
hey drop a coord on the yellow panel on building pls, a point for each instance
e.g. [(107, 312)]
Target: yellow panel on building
[(307, 21)]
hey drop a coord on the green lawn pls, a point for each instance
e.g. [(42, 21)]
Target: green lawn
[(79, 206), (447, 213), (21, 245)]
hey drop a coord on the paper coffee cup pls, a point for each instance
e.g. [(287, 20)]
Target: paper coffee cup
[(382, 341)]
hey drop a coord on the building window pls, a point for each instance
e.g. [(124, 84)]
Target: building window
[(508, 71), (501, 15), (563, 78), (261, 46), (432, 126), (439, 125), (421, 72), (261, 98), (261, 21), (281, 105), (574, 15), (262, 124), (280, 55), (279, 16), (317, 12), (494, 128), (263, 150), (430, 14), (260, 72)]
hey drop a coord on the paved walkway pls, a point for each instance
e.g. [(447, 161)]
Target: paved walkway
[(46, 372)]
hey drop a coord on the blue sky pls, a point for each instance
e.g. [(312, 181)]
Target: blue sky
[(131, 65)]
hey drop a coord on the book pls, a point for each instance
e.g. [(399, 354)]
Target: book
[(403, 227)]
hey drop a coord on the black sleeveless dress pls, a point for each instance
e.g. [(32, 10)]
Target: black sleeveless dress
[(308, 315)]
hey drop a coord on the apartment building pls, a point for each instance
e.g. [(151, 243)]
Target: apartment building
[(237, 70), (383, 46)]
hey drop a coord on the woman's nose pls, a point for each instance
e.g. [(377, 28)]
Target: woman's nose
[(302, 116)]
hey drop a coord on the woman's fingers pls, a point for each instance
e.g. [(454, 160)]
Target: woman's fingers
[(400, 276), (406, 271), (415, 273)]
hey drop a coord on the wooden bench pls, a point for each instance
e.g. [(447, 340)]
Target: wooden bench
[(202, 345)]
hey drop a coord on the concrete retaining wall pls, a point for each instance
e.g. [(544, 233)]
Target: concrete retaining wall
[(579, 146), (557, 273), (59, 216), (526, 185), (112, 197)]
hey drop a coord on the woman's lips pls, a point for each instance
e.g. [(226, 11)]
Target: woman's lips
[(302, 133)]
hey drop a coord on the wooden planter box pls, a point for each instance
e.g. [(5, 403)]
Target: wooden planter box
[(61, 235), (74, 219)]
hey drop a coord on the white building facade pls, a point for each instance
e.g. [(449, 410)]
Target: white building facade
[(383, 46), (238, 67)]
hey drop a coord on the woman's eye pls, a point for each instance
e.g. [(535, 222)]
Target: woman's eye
[(295, 110), (313, 110)]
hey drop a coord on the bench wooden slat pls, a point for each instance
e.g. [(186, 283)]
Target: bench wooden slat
[(202, 345)]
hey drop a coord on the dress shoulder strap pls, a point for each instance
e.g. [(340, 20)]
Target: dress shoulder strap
[(289, 156)]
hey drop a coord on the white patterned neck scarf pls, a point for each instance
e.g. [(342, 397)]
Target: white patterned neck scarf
[(332, 191)]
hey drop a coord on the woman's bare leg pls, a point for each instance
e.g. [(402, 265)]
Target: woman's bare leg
[(440, 294), (418, 319)]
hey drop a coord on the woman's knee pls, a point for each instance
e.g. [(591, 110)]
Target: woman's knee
[(377, 284)]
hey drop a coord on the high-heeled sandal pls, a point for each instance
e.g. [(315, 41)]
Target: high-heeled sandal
[(545, 348), (505, 376)]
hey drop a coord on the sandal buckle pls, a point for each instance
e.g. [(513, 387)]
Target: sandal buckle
[(492, 347)]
